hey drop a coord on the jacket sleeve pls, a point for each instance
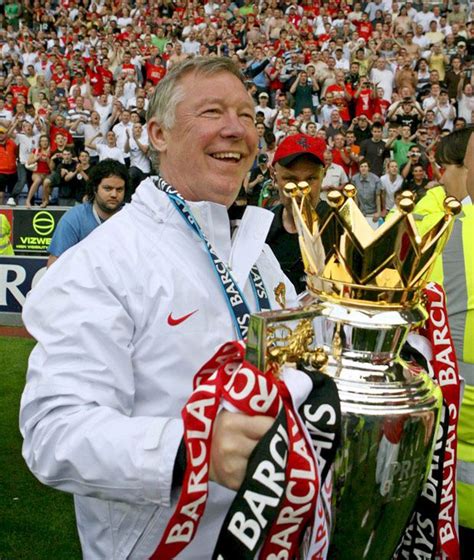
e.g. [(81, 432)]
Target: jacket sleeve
[(76, 415)]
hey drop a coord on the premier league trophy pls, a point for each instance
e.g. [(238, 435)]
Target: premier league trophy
[(366, 295)]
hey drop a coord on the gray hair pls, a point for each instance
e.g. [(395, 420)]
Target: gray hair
[(169, 92)]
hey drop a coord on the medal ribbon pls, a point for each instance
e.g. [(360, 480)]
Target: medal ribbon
[(279, 500), (234, 297)]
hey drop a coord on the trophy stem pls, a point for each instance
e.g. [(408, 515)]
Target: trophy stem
[(364, 333)]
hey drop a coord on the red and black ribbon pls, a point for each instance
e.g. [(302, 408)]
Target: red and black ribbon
[(278, 503)]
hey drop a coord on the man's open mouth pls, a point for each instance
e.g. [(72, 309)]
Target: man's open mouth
[(232, 157)]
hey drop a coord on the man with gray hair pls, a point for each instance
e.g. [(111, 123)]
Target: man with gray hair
[(126, 318)]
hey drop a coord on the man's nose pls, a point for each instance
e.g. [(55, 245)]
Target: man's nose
[(233, 125)]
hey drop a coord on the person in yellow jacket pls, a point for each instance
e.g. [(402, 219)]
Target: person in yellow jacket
[(455, 271), (5, 230)]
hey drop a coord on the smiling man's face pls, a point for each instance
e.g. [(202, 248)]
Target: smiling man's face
[(213, 142)]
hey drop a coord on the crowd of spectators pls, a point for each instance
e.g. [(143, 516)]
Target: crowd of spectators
[(379, 81)]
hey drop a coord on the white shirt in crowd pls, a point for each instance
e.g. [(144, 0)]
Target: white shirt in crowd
[(191, 47), (268, 112), (335, 177), (466, 107), (6, 115), (106, 152), (29, 59), (424, 19), (390, 187), (104, 110), (343, 64), (137, 157), (26, 144), (383, 79), (121, 134), (91, 131), (445, 115), (132, 103)]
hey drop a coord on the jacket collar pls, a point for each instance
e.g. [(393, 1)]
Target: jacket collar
[(240, 251)]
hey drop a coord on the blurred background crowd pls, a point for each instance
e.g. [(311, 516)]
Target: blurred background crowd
[(380, 82)]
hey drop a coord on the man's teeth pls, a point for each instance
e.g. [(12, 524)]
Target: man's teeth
[(227, 155)]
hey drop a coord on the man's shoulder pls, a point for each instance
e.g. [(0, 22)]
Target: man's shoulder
[(78, 212)]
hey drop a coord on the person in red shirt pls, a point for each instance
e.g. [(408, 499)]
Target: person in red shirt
[(364, 27), (282, 44), (340, 154), (19, 87), (324, 37), (58, 75), (342, 96), (333, 7), (127, 68), (364, 98), (381, 105), (154, 68), (9, 102), (57, 127), (293, 17), (40, 160), (8, 156), (95, 79), (105, 72)]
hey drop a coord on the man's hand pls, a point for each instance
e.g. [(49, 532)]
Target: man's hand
[(234, 437)]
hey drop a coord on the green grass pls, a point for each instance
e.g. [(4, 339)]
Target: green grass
[(36, 522)]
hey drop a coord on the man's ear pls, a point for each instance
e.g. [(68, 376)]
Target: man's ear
[(157, 135), (469, 163)]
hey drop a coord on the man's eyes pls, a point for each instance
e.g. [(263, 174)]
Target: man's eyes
[(247, 116), (216, 111), (211, 111)]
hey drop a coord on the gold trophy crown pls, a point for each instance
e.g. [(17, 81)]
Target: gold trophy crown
[(346, 260)]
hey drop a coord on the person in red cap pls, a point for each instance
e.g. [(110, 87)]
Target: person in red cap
[(298, 158)]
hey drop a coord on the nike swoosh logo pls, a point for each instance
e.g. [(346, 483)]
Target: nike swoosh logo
[(172, 322)]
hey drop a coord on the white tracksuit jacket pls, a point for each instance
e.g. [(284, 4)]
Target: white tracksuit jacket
[(109, 376)]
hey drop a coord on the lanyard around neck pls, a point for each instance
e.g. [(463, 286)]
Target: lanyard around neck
[(235, 299)]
